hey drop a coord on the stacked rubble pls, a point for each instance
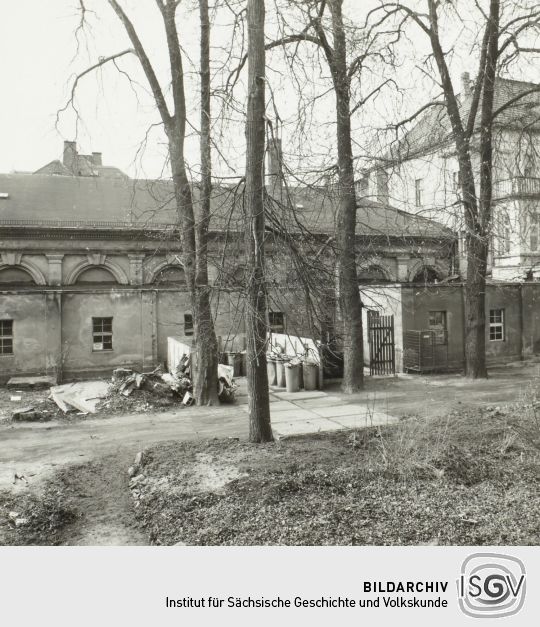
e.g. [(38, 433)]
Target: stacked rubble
[(170, 387), (127, 391)]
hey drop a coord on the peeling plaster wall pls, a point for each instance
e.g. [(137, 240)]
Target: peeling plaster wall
[(28, 310), (132, 331)]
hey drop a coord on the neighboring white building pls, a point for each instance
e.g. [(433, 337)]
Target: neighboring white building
[(420, 175)]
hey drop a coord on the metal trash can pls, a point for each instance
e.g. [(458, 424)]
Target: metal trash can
[(271, 370), (311, 375), (292, 376), (280, 373), (244, 363)]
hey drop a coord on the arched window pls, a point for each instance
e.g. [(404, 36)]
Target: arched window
[(426, 275), (14, 275), (372, 274), (96, 275), (171, 275)]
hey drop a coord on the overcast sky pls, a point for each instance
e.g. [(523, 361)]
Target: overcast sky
[(39, 58)]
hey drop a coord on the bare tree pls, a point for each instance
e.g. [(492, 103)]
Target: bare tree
[(349, 294), (258, 394), (205, 337), (193, 229), (466, 123), (329, 35)]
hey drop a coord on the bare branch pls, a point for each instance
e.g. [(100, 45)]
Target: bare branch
[(145, 62), (78, 77)]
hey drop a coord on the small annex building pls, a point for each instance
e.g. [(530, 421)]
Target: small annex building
[(429, 323)]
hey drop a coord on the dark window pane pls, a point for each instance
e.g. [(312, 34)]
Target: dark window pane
[(277, 321), (188, 324), (6, 346), (102, 333), (6, 327)]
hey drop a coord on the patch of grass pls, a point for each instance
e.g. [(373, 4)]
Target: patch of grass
[(469, 478)]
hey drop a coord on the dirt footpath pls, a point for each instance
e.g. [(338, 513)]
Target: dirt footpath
[(101, 496), (35, 450)]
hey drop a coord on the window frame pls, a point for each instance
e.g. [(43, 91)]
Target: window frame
[(188, 325), (497, 327), (273, 326), (105, 335), (6, 338), (418, 192), (440, 330)]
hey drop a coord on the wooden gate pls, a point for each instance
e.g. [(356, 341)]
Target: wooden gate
[(382, 358)]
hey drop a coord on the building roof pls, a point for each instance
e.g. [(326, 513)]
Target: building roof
[(433, 126), (101, 202), (91, 200), (317, 210)]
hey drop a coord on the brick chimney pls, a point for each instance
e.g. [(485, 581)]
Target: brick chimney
[(465, 84), (96, 158), (70, 156), (275, 167)]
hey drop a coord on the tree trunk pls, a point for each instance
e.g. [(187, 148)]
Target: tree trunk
[(206, 362), (476, 215), (194, 254), (475, 351), (349, 294), (260, 429)]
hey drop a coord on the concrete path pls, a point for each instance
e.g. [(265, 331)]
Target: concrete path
[(310, 412)]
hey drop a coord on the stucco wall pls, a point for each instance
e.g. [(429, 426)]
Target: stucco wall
[(132, 331), (29, 314), (170, 309), (507, 297), (419, 301), (530, 293)]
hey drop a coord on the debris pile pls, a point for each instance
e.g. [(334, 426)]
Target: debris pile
[(139, 391), (166, 388), (82, 396), (226, 385), (128, 391)]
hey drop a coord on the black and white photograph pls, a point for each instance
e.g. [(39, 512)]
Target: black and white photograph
[(270, 275)]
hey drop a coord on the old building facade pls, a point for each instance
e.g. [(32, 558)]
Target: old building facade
[(91, 273), (419, 174)]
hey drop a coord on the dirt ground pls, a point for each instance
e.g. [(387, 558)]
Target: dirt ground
[(140, 401), (87, 461), (470, 478)]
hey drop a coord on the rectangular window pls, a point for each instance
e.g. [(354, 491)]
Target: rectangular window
[(437, 323), (418, 192), (188, 324), (496, 325), (276, 320), (102, 334), (6, 337)]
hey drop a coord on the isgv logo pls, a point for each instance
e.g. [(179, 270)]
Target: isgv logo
[(491, 585)]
